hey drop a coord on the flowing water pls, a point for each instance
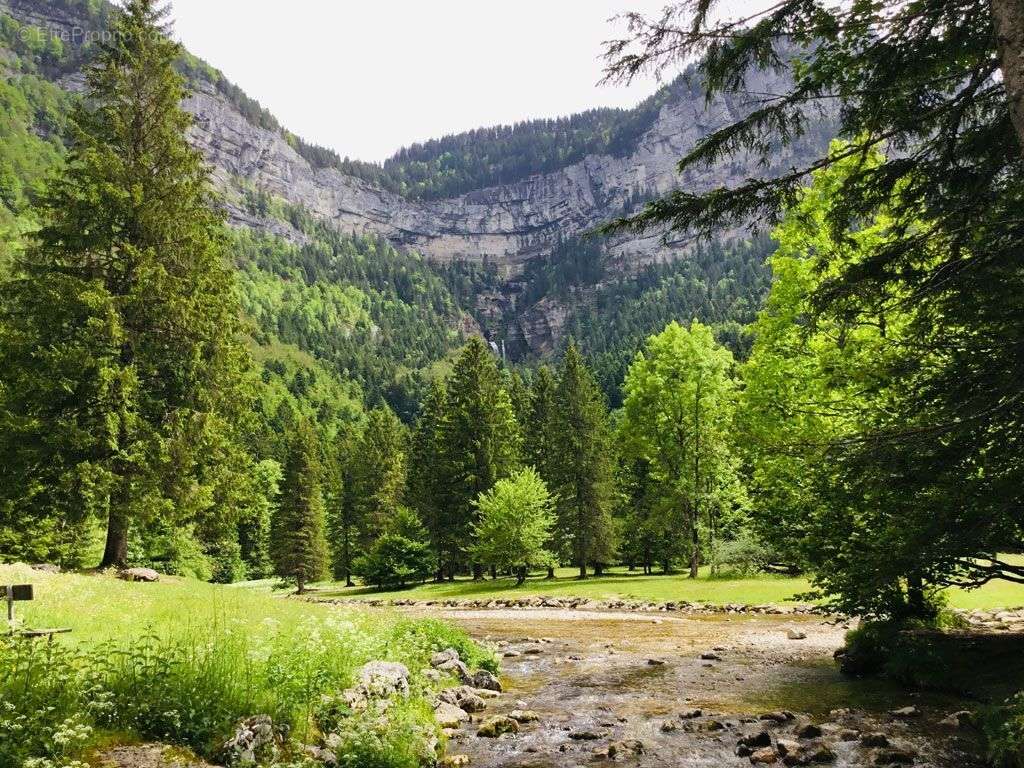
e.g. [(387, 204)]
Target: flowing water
[(599, 678)]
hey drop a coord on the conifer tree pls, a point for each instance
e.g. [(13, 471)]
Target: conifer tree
[(428, 487), (540, 442), (299, 544), (582, 466), (119, 329), (480, 436), (378, 472)]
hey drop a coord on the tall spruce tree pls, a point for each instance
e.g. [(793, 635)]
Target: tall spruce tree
[(428, 486), (122, 373), (582, 465), (298, 539), (480, 436), (377, 473), (540, 440)]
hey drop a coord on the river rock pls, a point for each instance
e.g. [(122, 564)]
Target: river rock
[(586, 734), (495, 726), (962, 719), (455, 761), (809, 731), (449, 716), (485, 681), (764, 756), (691, 714), (669, 726), (891, 756), (777, 717), (796, 634), (874, 740), (511, 654), (463, 697), (139, 574), (522, 716), (906, 713), (624, 748), (710, 656)]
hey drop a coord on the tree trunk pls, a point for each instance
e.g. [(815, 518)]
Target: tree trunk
[(300, 583), (494, 573), (520, 575), (115, 552), (583, 570), (478, 572), (598, 569), (1008, 18), (694, 548), (551, 572)]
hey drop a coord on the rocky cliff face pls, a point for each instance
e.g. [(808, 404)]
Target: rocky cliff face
[(504, 225)]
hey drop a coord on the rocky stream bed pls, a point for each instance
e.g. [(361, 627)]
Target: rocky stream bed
[(588, 688)]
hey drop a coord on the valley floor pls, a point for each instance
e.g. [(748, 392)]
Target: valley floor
[(620, 583)]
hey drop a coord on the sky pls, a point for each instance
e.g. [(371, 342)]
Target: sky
[(368, 77)]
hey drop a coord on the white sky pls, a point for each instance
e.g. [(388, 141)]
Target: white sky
[(367, 77)]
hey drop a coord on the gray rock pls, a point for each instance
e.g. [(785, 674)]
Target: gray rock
[(464, 698), (139, 574), (449, 716), (524, 716), (485, 680), (906, 713), (255, 740)]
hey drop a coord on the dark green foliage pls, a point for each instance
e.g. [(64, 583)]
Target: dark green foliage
[(131, 412), (299, 545), (580, 466), (480, 437), (428, 488), (400, 555)]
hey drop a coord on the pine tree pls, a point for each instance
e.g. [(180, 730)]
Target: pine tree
[(299, 545), (582, 467), (377, 473), (480, 436), (428, 483), (119, 331), (540, 444)]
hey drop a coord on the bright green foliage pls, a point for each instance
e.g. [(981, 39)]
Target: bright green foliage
[(480, 436), (808, 386), (581, 465), (678, 417), (137, 671), (123, 374), (428, 486), (399, 555), (516, 519), (298, 541), (254, 527), (541, 436)]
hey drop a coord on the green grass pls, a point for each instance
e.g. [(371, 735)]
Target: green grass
[(620, 583), (182, 661)]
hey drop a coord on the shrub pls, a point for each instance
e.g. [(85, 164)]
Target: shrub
[(394, 560), (1004, 733)]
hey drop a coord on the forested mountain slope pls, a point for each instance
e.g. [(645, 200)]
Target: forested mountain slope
[(505, 257)]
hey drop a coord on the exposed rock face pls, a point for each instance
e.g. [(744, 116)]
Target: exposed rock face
[(505, 224)]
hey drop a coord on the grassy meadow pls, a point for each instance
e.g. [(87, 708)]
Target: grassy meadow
[(620, 583), (183, 661)]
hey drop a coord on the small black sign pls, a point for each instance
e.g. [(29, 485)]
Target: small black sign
[(21, 592)]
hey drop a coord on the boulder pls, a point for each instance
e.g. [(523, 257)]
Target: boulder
[(624, 748), (444, 657), (449, 716), (454, 761), (139, 574), (463, 697), (796, 634), (485, 680), (669, 726), (691, 714), (493, 727), (384, 679)]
